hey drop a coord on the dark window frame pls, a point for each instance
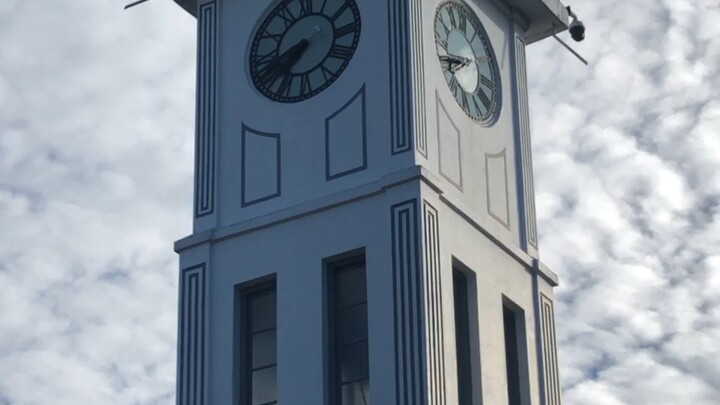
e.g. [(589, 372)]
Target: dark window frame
[(242, 358), (471, 313), (517, 371), (332, 265)]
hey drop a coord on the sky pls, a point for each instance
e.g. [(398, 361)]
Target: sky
[(96, 159)]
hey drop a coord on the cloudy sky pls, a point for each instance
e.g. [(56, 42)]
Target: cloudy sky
[(96, 121)]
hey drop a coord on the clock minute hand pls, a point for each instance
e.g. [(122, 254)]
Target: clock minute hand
[(290, 57)]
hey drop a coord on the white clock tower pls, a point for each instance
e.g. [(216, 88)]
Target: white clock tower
[(364, 217)]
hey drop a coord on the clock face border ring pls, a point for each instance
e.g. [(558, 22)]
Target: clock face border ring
[(468, 11), (326, 59)]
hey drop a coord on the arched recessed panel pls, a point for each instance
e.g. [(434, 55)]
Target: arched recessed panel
[(498, 200), (260, 166), (448, 146), (346, 139)]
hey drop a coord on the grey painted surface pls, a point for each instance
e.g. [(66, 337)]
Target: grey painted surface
[(365, 164)]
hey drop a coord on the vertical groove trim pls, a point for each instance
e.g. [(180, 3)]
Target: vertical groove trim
[(206, 111), (525, 143), (192, 339), (433, 303), (410, 367), (552, 374), (407, 77)]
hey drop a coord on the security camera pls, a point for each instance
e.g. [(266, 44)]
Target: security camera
[(577, 28)]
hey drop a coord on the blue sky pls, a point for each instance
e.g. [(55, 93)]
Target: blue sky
[(96, 129)]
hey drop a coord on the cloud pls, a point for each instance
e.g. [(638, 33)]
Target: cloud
[(96, 121)]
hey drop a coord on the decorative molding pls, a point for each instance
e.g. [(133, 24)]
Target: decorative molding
[(448, 132), (525, 145), (434, 307), (350, 114), (407, 77), (192, 339), (260, 158), (410, 369), (491, 172), (552, 374), (206, 114)]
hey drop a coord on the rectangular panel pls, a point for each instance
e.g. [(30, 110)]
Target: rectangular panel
[(410, 375), (206, 117), (525, 145), (192, 339), (550, 360), (433, 303)]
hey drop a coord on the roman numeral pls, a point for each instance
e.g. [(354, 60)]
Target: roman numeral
[(487, 82), (340, 11), (484, 98), (306, 6), (347, 29), (476, 105), (287, 16), (274, 37), (340, 52), (462, 24), (305, 86), (327, 73), (264, 59), (285, 85), (464, 101), (440, 41), (453, 19), (454, 84)]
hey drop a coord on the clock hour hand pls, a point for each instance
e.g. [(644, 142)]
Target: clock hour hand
[(455, 62), (282, 63), (290, 57)]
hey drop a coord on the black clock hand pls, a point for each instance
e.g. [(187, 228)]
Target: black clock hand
[(282, 63), (455, 62)]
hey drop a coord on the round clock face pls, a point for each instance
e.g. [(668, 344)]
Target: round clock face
[(303, 46), (468, 61)]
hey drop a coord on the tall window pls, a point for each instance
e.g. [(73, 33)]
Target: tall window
[(462, 338), (259, 338), (349, 379), (515, 353)]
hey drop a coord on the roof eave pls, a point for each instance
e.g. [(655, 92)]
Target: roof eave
[(188, 5)]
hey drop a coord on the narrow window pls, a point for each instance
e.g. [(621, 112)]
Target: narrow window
[(260, 341), (462, 338), (350, 380), (515, 353)]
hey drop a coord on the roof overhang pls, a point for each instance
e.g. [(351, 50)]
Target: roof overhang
[(543, 17), (189, 5)]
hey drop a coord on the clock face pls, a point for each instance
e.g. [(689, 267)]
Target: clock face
[(303, 46), (468, 61)]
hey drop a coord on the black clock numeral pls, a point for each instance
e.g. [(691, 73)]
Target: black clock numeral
[(487, 82), (462, 24), (347, 29), (306, 7), (305, 86), (327, 73), (464, 101), (453, 18), (285, 85), (340, 52), (484, 99), (476, 104), (454, 84), (287, 16), (441, 41), (274, 37), (264, 59), (340, 11)]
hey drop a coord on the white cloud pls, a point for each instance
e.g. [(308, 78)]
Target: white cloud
[(96, 121)]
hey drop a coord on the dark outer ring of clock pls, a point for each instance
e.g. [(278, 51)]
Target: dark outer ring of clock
[(256, 43), (489, 117)]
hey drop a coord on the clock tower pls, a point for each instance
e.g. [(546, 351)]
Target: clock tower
[(364, 221)]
